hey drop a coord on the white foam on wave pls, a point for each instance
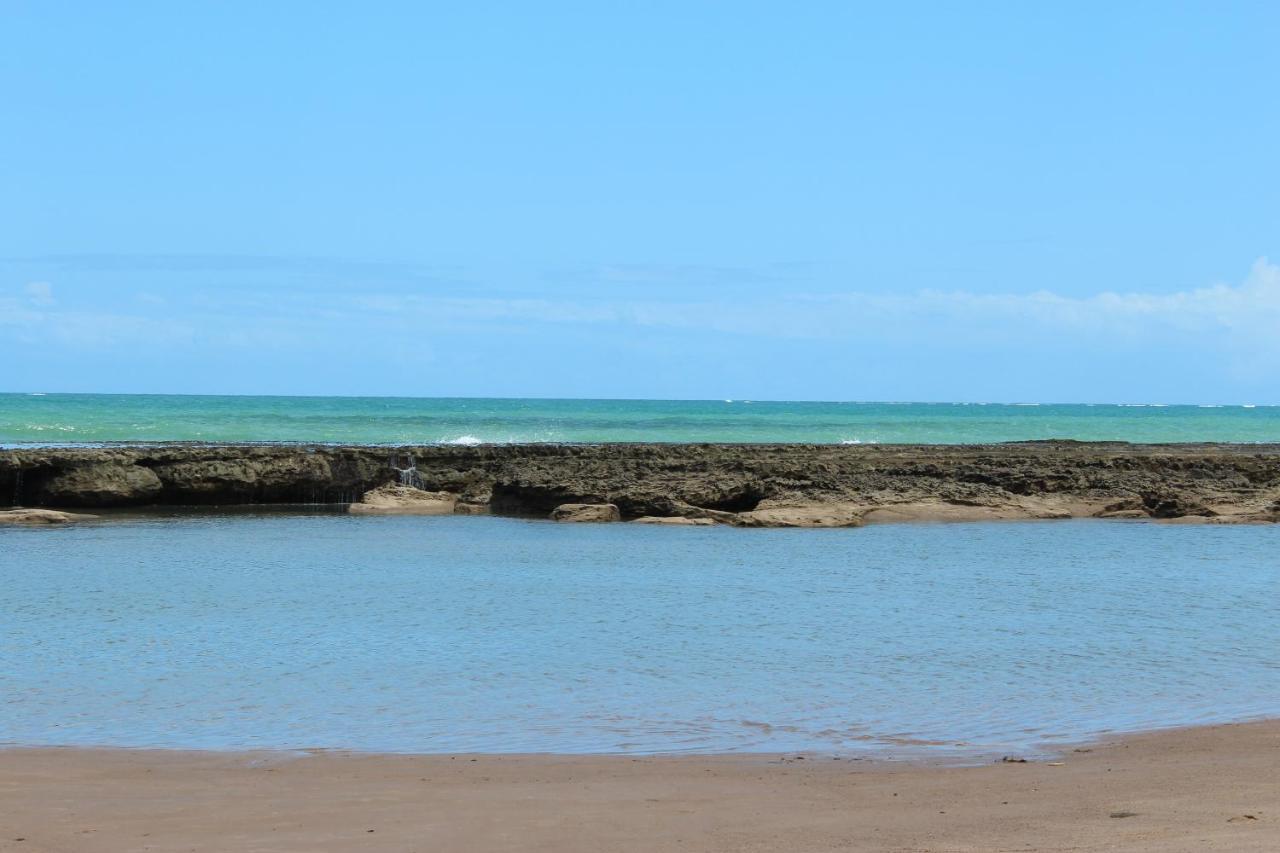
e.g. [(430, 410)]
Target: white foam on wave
[(857, 441), (463, 440)]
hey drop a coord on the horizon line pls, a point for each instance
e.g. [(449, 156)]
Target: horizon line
[(726, 400)]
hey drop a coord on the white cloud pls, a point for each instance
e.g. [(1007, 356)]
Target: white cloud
[(15, 312), (1241, 321), (103, 330), (40, 293), (1248, 311), (1250, 307)]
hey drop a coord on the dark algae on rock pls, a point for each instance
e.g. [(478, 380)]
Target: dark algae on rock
[(746, 485)]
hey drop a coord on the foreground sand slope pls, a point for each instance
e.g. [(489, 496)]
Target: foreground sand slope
[(1192, 790)]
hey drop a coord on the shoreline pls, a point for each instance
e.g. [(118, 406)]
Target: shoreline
[(1201, 788), (748, 485), (883, 753)]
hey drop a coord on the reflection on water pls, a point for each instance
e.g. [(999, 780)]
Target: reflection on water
[(489, 634)]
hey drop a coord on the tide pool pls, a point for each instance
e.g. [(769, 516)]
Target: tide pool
[(460, 634)]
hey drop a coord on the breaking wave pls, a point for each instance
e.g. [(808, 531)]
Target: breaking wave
[(462, 440)]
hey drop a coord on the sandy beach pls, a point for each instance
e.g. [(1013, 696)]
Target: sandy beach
[(1213, 788)]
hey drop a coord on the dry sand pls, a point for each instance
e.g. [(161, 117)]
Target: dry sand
[(1201, 789)]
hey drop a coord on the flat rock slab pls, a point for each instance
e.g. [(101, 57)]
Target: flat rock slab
[(404, 500), (41, 517), (675, 521), (806, 515), (586, 512)]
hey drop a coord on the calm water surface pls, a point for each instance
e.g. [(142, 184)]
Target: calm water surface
[(489, 634)]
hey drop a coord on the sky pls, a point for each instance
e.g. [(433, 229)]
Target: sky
[(1056, 202)]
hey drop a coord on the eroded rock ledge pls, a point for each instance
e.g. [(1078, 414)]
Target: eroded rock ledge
[(747, 485)]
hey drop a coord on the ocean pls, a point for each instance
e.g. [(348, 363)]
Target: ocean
[(87, 419), (488, 634)]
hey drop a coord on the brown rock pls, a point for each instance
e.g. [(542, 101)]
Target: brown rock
[(258, 476), (39, 517), (697, 513), (104, 484), (731, 484), (927, 511), (404, 500), (674, 520), (586, 512), (805, 515)]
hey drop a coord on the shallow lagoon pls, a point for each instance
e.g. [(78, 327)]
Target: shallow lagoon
[(501, 635)]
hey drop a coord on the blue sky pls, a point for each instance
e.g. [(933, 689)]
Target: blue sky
[(927, 201)]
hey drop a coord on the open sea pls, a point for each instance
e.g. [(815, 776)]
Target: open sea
[(457, 634), (54, 419)]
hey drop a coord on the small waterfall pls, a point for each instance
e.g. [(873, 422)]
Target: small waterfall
[(408, 475)]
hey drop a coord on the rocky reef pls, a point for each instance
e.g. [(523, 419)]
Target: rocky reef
[(746, 485)]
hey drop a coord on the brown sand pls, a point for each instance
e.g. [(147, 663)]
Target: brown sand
[(1212, 788)]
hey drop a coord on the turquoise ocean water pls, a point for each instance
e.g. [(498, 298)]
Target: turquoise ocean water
[(93, 418), (500, 635)]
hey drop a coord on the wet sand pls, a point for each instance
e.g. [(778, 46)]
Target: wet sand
[(1213, 788)]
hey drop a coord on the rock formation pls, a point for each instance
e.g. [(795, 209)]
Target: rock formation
[(746, 485), (673, 520), (40, 517), (404, 500), (586, 512)]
